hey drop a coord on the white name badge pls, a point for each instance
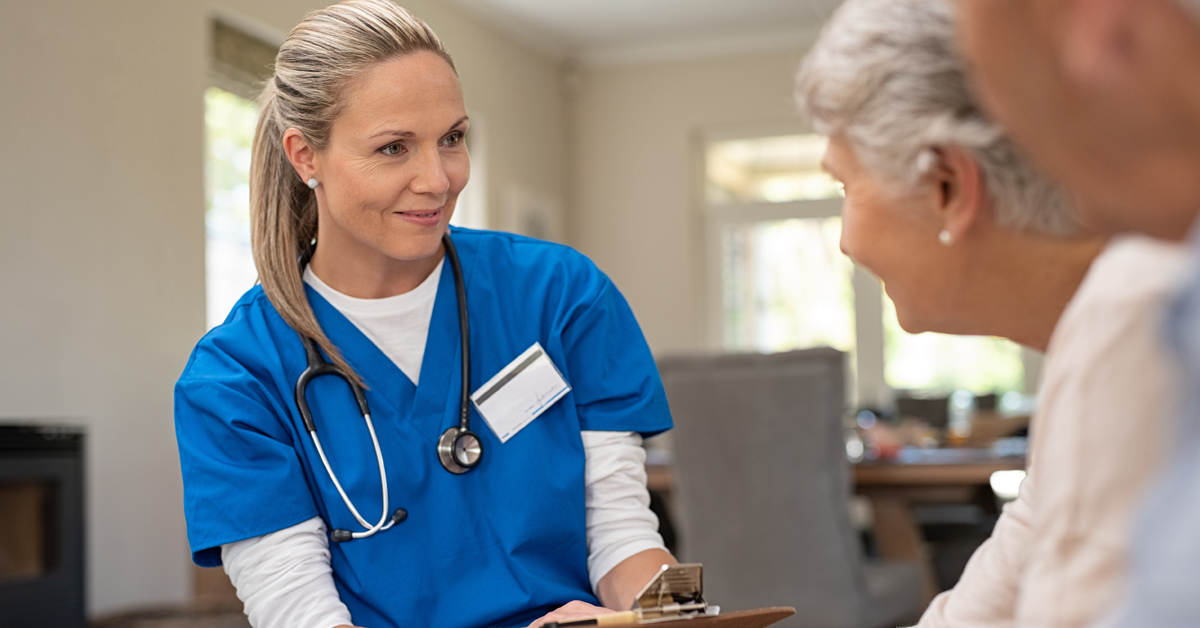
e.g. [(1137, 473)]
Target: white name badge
[(520, 392)]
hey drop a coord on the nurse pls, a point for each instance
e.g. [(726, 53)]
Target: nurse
[(358, 160)]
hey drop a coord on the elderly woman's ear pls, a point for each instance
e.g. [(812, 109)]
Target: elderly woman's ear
[(960, 190)]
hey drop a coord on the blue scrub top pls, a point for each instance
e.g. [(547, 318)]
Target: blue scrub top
[(498, 546)]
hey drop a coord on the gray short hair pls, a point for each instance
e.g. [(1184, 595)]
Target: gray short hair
[(888, 75)]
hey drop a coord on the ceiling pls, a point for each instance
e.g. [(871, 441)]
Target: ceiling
[(612, 32)]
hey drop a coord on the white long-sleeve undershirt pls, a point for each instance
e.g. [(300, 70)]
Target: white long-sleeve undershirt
[(285, 579)]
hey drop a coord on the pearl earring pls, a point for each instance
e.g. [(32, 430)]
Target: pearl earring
[(945, 238), (313, 183)]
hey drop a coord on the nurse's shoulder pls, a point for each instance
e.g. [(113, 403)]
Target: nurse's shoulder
[(247, 341), (522, 260)]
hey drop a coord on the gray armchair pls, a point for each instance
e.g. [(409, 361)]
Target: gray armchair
[(763, 488)]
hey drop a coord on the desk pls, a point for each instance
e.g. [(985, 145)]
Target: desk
[(932, 476)]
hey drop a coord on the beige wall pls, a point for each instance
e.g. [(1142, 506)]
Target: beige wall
[(102, 251), (636, 211), (102, 237)]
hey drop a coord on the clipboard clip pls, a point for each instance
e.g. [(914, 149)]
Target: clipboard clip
[(672, 585), (674, 591)]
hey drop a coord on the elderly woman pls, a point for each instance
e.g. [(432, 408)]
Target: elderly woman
[(969, 239)]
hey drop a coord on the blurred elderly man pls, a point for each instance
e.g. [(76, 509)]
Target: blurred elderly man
[(1105, 94), (968, 238)]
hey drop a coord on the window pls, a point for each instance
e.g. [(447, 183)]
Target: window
[(787, 285), (239, 65), (768, 170), (779, 280), (944, 362), (229, 264)]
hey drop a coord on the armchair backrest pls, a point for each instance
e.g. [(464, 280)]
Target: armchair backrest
[(763, 484)]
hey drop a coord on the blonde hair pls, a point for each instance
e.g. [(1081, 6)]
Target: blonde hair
[(325, 53)]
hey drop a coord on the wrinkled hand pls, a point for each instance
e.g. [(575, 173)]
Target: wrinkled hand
[(572, 611)]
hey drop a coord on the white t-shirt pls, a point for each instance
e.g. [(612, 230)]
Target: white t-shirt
[(397, 325), (1057, 555), (284, 578)]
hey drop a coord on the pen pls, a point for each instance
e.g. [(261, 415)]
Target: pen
[(625, 617)]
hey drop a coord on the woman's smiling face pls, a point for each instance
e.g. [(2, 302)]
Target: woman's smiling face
[(395, 162), (894, 234)]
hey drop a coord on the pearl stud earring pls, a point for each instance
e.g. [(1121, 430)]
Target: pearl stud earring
[(945, 238), (313, 183)]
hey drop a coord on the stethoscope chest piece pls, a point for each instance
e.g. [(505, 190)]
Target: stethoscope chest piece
[(459, 450)]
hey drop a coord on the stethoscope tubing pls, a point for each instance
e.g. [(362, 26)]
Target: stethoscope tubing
[(317, 366), (384, 521), (464, 419)]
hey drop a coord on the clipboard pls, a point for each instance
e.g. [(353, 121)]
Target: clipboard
[(675, 596), (759, 618)]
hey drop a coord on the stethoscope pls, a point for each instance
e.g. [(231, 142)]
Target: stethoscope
[(459, 449)]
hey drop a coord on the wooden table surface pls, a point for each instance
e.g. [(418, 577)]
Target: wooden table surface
[(934, 476)]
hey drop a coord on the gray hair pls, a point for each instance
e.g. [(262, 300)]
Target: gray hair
[(888, 75)]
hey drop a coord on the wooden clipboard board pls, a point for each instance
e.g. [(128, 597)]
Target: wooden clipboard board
[(759, 618), (674, 598)]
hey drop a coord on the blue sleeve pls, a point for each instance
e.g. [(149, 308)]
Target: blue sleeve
[(242, 476), (612, 373)]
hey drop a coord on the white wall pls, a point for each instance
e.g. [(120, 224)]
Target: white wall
[(636, 207), (102, 237)]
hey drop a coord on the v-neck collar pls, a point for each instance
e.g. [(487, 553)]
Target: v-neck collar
[(387, 386)]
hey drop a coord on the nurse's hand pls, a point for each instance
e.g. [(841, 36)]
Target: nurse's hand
[(572, 611)]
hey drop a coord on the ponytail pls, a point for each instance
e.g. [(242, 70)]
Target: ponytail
[(283, 225)]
